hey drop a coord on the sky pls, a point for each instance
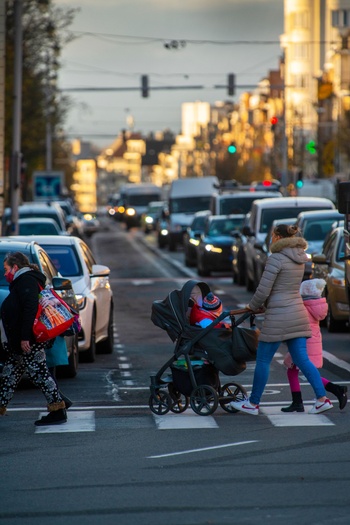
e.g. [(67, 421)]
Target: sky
[(117, 41)]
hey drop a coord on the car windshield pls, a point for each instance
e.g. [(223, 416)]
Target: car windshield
[(224, 226), (272, 214), (65, 260), (236, 205), (141, 200), (316, 230), (189, 204), (38, 229)]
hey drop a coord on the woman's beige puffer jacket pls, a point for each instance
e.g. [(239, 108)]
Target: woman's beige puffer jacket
[(278, 291)]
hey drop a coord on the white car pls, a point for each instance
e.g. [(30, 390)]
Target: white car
[(73, 259)]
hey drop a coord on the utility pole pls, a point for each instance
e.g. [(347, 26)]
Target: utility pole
[(15, 168)]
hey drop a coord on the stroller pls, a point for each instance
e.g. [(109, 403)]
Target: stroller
[(191, 375)]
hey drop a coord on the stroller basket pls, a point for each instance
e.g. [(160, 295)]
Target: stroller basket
[(204, 373)]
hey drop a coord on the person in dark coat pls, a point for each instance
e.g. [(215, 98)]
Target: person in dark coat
[(24, 354), (286, 319)]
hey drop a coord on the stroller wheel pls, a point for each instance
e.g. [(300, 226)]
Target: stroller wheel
[(181, 403), (160, 403), (231, 392), (204, 400)]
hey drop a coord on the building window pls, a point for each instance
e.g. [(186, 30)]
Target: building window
[(300, 81), (341, 18), (300, 20), (300, 51)]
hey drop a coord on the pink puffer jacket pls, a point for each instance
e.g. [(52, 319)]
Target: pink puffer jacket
[(317, 310)]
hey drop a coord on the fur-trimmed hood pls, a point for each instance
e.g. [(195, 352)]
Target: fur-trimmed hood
[(292, 247)]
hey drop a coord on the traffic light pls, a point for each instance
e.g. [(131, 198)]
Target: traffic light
[(299, 182), (274, 122), (311, 147), (144, 86), (231, 148), (231, 84)]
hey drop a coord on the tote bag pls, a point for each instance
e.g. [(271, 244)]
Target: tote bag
[(54, 316)]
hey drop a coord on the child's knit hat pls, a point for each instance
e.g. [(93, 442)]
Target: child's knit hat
[(312, 287), (211, 302)]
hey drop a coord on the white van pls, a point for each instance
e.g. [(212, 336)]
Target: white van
[(263, 213), (186, 197), (238, 202)]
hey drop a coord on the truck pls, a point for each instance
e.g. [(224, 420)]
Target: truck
[(186, 197), (136, 198)]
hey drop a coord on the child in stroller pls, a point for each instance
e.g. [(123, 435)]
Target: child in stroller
[(199, 355)]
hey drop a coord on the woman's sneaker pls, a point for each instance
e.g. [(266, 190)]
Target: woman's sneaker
[(245, 406), (321, 406)]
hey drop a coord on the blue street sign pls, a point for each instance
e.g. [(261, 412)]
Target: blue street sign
[(47, 185)]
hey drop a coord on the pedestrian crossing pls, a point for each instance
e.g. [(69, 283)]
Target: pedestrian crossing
[(86, 420)]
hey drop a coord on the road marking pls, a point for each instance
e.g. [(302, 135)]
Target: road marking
[(336, 361), (78, 421), (187, 420), (192, 451), (294, 419)]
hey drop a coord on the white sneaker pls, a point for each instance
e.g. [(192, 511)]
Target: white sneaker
[(321, 406), (245, 406)]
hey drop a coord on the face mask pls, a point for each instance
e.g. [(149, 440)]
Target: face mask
[(9, 277)]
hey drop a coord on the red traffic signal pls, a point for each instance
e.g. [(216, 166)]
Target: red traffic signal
[(274, 121)]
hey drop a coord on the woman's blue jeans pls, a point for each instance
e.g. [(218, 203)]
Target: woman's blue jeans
[(297, 349)]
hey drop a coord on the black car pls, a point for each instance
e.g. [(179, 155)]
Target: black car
[(214, 252), (37, 255), (192, 237)]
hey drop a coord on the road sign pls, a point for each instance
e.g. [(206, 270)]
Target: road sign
[(47, 184)]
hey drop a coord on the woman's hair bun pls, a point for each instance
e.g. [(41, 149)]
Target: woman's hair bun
[(292, 229)]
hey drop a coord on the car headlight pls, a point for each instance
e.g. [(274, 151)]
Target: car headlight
[(164, 232), (195, 242), (212, 248), (131, 212), (149, 220), (81, 300)]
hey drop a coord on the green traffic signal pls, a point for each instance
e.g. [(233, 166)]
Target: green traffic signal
[(299, 184), (311, 147), (231, 149)]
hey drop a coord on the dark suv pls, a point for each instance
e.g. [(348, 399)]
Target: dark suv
[(37, 255)]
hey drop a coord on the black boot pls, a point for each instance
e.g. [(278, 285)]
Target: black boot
[(53, 418), (340, 392), (297, 404)]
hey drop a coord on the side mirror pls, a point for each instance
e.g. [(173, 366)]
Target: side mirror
[(236, 234), (61, 283), (320, 258), (99, 270), (197, 235)]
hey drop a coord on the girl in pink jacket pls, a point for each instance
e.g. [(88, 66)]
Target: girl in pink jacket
[(316, 306)]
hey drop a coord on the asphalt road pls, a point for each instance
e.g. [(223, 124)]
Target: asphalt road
[(115, 462)]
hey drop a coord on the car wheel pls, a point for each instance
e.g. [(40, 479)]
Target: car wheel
[(70, 370), (333, 325), (89, 355), (107, 346)]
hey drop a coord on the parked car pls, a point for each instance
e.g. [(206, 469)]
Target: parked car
[(214, 251), (37, 255), (314, 227), (263, 213), (36, 226), (330, 266), (73, 259), (192, 237), (74, 223), (28, 210)]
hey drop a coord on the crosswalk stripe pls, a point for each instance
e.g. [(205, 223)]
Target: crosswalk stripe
[(294, 419), (186, 420), (78, 421)]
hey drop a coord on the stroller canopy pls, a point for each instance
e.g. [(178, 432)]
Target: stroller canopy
[(171, 314)]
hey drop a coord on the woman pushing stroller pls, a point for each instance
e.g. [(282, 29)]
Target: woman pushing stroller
[(286, 319)]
